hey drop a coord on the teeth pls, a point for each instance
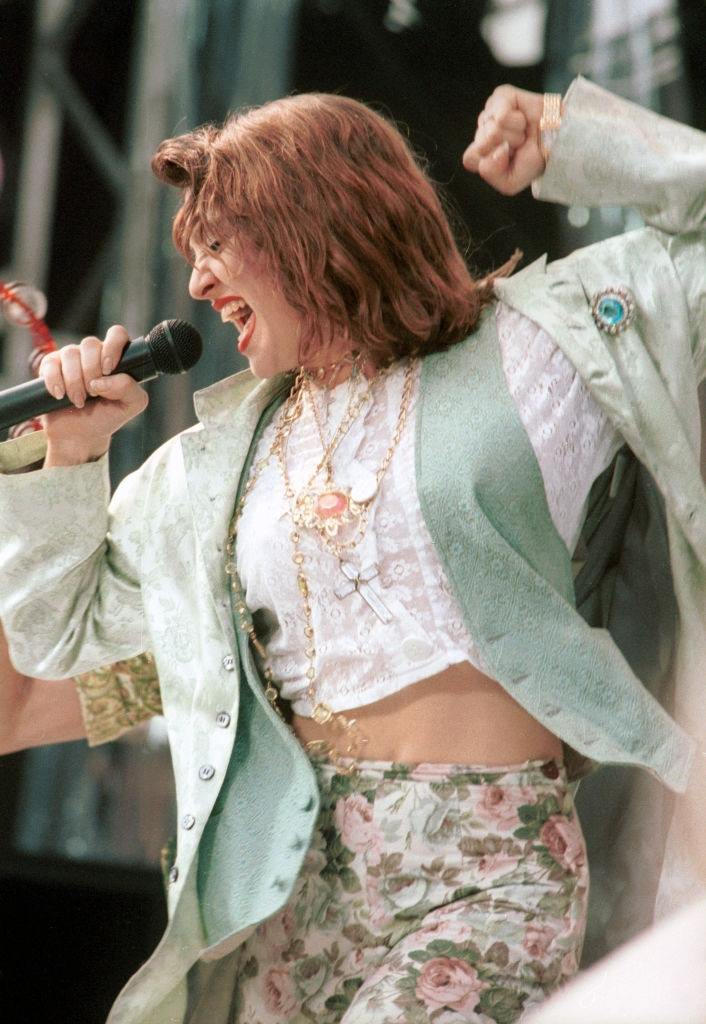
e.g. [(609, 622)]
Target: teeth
[(234, 310)]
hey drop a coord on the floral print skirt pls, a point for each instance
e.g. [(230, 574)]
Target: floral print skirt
[(431, 892)]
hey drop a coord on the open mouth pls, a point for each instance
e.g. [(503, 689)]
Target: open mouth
[(236, 311), (246, 328)]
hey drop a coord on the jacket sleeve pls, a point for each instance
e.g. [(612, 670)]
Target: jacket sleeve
[(70, 595), (610, 152)]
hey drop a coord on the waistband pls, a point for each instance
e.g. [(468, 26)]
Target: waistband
[(528, 773)]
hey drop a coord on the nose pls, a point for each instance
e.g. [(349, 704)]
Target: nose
[(201, 282)]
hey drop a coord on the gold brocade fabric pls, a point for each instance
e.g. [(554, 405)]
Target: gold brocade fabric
[(118, 697)]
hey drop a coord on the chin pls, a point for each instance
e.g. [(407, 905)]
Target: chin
[(262, 372), (261, 376), (264, 369)]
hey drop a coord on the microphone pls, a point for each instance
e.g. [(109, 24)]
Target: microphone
[(173, 346)]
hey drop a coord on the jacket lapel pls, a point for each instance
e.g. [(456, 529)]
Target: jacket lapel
[(557, 302), (621, 372), (214, 456)]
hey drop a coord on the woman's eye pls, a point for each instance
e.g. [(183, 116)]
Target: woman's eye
[(214, 246)]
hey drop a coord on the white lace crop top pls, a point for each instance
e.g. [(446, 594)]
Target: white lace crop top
[(361, 659)]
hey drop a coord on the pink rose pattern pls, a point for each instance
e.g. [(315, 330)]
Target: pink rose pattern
[(563, 842), (449, 982), (538, 938), (387, 923), (279, 996), (353, 818), (499, 806)]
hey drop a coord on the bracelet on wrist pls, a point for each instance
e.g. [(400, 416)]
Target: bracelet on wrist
[(549, 123)]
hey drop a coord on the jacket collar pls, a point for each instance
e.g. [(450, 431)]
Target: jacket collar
[(219, 405)]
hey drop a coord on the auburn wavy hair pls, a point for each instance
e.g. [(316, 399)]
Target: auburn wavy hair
[(350, 227)]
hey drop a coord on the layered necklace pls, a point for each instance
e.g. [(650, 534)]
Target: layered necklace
[(338, 517)]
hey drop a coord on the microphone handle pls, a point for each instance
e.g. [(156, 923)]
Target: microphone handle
[(27, 401)]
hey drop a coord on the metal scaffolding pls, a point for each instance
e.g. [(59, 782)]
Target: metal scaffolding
[(55, 100), (134, 275)]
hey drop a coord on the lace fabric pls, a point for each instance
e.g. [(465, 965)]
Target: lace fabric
[(572, 438), (360, 659)]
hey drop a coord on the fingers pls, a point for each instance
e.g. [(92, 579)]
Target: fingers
[(116, 339), (504, 119), (120, 387), (500, 121), (508, 171), (495, 169), (505, 150), (509, 128), (62, 371), (504, 100), (74, 369)]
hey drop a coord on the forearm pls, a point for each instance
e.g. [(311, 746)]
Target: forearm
[(610, 152), (69, 596), (34, 712), (21, 453), (99, 706), (73, 455)]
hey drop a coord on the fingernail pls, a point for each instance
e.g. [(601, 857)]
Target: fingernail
[(501, 151), (58, 391), (78, 400), (97, 385), (106, 366)]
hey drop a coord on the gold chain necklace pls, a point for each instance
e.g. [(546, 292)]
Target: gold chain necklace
[(303, 387), (328, 508), (322, 713), (324, 507)]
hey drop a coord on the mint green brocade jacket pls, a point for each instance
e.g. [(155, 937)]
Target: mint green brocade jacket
[(596, 646)]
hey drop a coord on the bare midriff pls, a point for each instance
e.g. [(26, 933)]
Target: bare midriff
[(458, 716)]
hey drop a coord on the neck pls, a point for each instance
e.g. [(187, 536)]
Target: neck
[(327, 374)]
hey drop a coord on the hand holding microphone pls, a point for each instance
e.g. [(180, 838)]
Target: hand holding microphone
[(72, 377)]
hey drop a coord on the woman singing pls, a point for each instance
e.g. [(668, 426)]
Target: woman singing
[(355, 574)]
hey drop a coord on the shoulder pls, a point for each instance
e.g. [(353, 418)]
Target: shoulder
[(165, 459), (562, 297), (626, 253), (158, 485), (213, 404)]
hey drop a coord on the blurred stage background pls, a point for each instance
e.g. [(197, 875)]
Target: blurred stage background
[(88, 89)]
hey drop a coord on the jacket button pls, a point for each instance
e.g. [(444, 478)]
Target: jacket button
[(188, 821), (173, 873), (223, 719), (228, 663), (206, 772)]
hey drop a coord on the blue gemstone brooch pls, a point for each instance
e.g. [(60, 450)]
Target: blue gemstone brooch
[(613, 309)]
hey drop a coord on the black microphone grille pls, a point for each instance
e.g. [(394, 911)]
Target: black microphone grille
[(175, 346)]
